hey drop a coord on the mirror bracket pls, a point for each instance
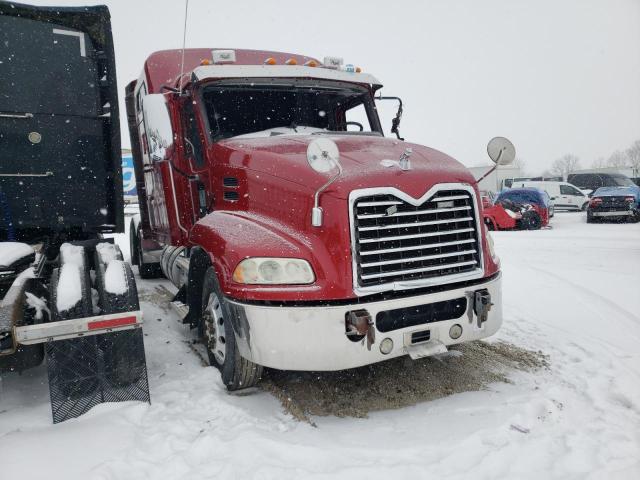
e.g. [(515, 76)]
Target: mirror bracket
[(395, 123)]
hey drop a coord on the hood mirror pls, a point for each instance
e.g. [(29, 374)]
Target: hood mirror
[(501, 151), (323, 156)]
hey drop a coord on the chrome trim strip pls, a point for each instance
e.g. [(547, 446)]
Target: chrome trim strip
[(376, 204), (417, 212), (418, 270), (415, 224), (415, 235), (417, 259), (402, 285), (417, 247), (444, 199)]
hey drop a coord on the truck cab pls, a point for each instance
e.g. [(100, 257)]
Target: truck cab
[(299, 237)]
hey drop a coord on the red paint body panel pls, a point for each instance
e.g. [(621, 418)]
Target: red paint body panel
[(163, 67), (272, 213)]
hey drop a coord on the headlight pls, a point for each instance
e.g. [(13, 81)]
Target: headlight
[(492, 250), (273, 271)]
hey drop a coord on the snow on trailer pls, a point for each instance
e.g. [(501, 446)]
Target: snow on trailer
[(68, 296)]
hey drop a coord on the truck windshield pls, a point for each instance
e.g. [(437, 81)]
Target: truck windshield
[(279, 107)]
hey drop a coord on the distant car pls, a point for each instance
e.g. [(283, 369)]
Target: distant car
[(563, 195), (619, 203), (535, 197), (590, 182)]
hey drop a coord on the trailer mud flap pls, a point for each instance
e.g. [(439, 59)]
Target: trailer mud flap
[(89, 370)]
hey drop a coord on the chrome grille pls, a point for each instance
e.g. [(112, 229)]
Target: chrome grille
[(398, 241)]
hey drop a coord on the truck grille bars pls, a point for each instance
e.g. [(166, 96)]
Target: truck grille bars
[(412, 245)]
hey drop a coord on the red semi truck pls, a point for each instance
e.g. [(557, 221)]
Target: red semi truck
[(298, 236)]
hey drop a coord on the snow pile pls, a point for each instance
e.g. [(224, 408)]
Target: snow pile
[(115, 279), (11, 252), (72, 254), (69, 291), (38, 304), (107, 252), (16, 287)]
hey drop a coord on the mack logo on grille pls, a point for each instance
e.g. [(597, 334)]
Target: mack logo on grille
[(398, 241)]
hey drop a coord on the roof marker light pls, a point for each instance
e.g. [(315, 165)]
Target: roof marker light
[(333, 62), (310, 63), (270, 61), (205, 61), (291, 61), (223, 56)]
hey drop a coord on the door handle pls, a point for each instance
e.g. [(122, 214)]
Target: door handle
[(15, 115)]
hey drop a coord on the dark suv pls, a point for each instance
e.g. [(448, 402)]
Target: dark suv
[(593, 181)]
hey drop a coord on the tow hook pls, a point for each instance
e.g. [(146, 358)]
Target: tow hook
[(359, 324), (481, 305)]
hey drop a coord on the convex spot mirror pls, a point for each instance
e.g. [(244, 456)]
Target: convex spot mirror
[(157, 125), (501, 151), (323, 155)]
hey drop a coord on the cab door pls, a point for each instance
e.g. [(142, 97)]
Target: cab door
[(194, 162)]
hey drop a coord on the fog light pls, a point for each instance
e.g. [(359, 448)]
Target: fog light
[(386, 346), (454, 332)]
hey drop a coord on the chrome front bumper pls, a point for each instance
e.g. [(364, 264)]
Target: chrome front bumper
[(313, 338)]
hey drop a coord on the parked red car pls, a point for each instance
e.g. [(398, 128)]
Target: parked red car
[(516, 209)]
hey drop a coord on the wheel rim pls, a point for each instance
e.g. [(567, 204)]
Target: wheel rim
[(214, 328)]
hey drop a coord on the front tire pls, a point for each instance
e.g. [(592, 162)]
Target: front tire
[(218, 337), (531, 220)]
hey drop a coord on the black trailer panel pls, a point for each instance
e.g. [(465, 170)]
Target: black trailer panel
[(60, 160)]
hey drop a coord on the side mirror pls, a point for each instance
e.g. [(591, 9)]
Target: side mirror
[(395, 123), (501, 151), (158, 125)]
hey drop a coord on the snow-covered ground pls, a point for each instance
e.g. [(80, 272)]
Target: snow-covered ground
[(571, 292)]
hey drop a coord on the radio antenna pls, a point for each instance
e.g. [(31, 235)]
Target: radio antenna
[(184, 43)]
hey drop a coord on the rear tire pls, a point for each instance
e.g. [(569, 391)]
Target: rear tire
[(218, 337), (133, 243)]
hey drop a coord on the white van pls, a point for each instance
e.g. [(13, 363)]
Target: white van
[(564, 195)]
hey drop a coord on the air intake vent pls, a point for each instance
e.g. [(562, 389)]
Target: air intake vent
[(231, 196), (230, 182)]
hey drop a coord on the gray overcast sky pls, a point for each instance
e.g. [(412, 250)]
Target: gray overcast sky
[(555, 76)]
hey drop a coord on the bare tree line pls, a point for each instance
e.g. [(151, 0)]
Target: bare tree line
[(569, 163)]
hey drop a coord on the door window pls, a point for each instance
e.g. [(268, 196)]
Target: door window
[(193, 145)]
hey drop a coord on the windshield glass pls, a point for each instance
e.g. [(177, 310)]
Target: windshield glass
[(273, 107), (621, 181)]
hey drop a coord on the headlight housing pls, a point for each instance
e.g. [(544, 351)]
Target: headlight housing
[(274, 271)]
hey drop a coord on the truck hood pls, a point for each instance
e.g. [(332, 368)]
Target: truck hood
[(370, 157)]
